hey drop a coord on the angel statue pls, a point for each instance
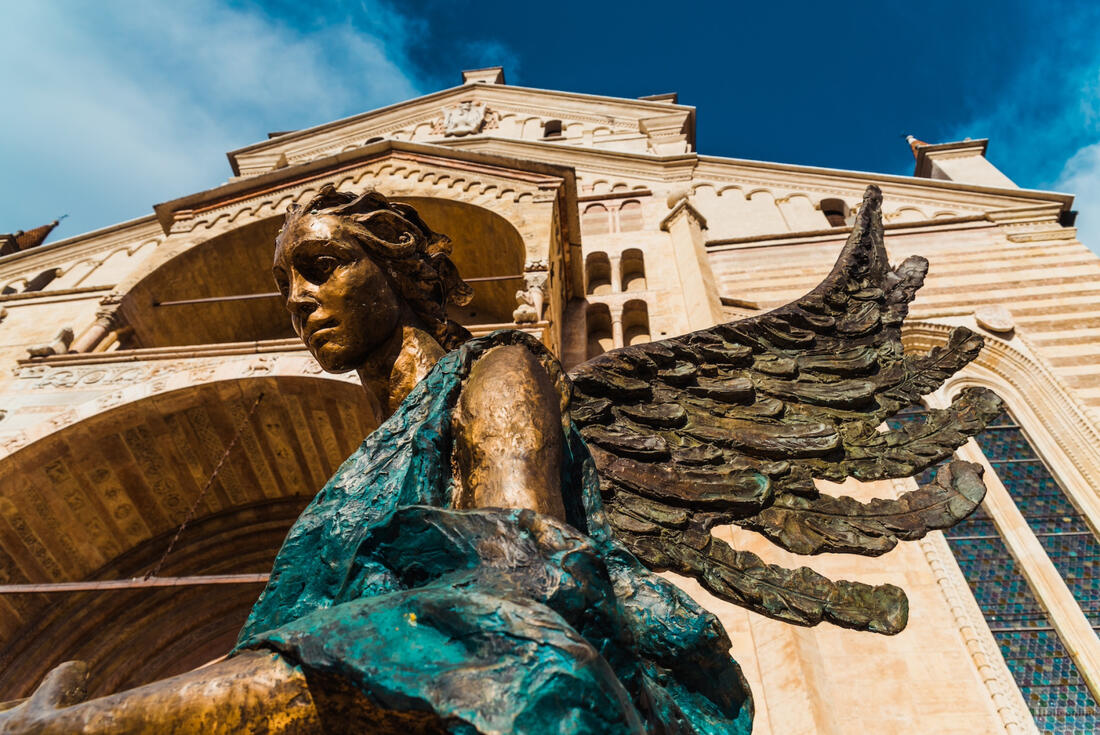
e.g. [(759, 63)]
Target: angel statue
[(486, 561)]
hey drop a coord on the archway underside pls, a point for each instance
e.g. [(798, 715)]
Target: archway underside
[(238, 262), (101, 499)]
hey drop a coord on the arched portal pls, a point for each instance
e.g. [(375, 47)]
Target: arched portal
[(234, 263), (100, 499), (132, 637), (486, 245), (238, 263)]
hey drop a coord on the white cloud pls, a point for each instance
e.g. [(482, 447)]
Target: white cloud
[(1081, 177), (1045, 131), (112, 107)]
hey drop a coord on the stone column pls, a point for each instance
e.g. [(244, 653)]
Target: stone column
[(106, 319), (616, 273), (617, 339)]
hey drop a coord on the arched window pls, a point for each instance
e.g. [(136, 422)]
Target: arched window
[(1047, 675), (596, 220), (836, 211), (635, 323), (632, 265), (42, 280), (630, 216), (375, 139), (597, 271), (551, 129), (598, 319)]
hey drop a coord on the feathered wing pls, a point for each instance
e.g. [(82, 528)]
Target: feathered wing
[(732, 424)]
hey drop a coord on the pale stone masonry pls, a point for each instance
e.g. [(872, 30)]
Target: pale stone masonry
[(599, 213)]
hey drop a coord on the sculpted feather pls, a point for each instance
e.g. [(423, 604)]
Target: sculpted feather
[(732, 424)]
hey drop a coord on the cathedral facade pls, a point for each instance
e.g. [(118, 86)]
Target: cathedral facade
[(161, 426)]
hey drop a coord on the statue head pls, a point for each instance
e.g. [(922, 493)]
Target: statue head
[(352, 269)]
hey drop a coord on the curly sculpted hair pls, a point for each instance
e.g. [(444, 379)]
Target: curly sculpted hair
[(416, 259)]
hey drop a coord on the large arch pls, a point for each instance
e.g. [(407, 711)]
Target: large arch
[(174, 629), (486, 245), (99, 499), (1060, 432), (238, 262)]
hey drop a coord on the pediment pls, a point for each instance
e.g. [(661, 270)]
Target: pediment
[(487, 110)]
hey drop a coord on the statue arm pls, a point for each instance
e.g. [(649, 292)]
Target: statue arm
[(254, 689), (508, 436)]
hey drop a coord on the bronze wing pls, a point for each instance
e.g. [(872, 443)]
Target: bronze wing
[(732, 425)]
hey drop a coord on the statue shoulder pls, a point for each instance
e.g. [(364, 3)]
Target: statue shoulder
[(508, 435)]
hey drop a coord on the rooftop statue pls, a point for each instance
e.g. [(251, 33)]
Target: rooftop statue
[(484, 562)]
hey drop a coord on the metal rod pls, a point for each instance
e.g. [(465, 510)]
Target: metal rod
[(1039, 535), (135, 583), (1025, 629), (213, 475), (216, 299), (273, 294), (517, 277)]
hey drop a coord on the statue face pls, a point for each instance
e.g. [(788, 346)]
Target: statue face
[(340, 302)]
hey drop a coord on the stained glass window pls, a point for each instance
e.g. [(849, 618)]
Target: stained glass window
[(1048, 678)]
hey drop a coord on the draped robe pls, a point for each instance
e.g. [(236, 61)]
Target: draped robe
[(488, 620)]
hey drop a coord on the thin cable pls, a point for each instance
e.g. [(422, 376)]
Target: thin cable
[(202, 493)]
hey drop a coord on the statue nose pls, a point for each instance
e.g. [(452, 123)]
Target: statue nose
[(300, 303)]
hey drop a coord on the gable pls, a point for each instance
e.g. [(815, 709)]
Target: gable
[(487, 110)]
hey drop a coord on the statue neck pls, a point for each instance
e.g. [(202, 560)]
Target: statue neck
[(393, 371)]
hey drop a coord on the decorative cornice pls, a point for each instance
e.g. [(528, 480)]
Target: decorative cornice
[(840, 233), (628, 194), (812, 178), (596, 161), (48, 295), (277, 185), (94, 246), (116, 378)]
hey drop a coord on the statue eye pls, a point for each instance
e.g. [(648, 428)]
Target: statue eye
[(281, 281), (318, 269)]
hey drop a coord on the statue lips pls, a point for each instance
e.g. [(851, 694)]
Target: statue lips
[(317, 336)]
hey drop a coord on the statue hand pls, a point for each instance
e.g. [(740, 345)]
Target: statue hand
[(63, 686)]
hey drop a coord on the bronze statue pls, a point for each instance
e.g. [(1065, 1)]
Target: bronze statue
[(483, 562)]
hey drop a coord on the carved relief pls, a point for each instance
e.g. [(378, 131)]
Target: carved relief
[(531, 298), (995, 318), (465, 118), (58, 346)]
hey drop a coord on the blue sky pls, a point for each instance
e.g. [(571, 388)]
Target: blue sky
[(113, 106)]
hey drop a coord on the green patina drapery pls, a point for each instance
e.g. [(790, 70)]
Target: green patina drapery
[(492, 620)]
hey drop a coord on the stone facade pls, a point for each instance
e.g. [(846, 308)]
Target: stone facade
[(591, 222)]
